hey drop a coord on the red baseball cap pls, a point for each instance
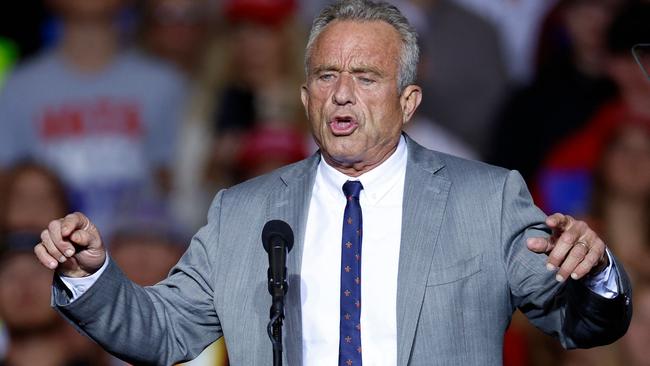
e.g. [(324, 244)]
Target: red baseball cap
[(265, 143), (271, 12)]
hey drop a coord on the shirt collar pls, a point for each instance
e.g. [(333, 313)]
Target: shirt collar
[(376, 182)]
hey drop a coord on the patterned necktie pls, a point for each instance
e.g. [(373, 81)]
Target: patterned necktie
[(350, 325)]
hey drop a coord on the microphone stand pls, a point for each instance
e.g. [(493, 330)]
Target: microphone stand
[(274, 328), (277, 239)]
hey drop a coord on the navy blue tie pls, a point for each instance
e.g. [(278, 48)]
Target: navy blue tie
[(350, 325)]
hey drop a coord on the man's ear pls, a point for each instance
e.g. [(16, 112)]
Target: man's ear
[(410, 100), (304, 97)]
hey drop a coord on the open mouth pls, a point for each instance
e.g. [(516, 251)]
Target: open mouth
[(343, 126)]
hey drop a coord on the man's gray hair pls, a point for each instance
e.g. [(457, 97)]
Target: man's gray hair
[(367, 10)]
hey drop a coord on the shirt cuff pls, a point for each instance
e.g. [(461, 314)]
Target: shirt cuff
[(79, 285), (604, 283)]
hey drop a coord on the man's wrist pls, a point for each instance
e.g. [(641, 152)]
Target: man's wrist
[(605, 281), (79, 285)]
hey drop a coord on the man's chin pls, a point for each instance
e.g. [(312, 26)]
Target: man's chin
[(341, 158)]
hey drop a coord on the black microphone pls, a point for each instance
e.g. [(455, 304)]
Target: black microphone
[(277, 238)]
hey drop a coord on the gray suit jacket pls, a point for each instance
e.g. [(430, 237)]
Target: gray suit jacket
[(463, 269)]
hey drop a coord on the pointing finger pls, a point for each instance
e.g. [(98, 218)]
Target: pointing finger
[(539, 245), (559, 221), (566, 241)]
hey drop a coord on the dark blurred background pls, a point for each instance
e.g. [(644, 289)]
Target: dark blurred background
[(137, 112)]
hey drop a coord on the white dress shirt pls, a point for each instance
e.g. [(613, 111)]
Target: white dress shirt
[(381, 210), (381, 206)]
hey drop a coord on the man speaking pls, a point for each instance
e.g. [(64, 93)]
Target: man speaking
[(402, 256)]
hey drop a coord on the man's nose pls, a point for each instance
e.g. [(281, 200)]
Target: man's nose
[(344, 90)]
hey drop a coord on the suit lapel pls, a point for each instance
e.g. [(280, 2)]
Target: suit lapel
[(290, 203), (425, 197)]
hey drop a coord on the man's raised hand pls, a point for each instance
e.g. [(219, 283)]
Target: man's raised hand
[(72, 246), (574, 248)]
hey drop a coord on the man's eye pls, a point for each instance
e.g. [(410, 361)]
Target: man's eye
[(365, 80), (326, 77)]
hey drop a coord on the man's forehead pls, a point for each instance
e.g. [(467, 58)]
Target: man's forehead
[(364, 43)]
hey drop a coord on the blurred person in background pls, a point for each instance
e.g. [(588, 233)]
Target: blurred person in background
[(145, 244), (263, 150), (262, 68), (36, 334), (565, 180), (600, 171), (102, 116), (462, 68), (31, 196), (423, 128), (519, 23), (177, 31), (604, 176), (630, 28), (621, 211), (621, 196), (185, 33), (636, 343), (577, 50), (261, 78), (33, 326), (569, 87)]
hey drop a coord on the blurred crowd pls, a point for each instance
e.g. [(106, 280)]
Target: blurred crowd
[(137, 112)]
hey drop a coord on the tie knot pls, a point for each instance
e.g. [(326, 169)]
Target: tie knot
[(352, 188)]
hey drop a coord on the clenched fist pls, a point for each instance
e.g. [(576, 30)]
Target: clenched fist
[(72, 246)]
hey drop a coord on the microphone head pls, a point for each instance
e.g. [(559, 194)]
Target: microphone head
[(280, 229)]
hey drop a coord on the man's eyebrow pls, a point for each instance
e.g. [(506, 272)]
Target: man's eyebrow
[(322, 68), (363, 69), (367, 70)]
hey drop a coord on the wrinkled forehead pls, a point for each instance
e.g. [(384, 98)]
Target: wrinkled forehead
[(351, 44)]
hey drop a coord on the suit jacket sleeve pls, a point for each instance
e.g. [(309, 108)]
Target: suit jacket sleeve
[(163, 324), (571, 312)]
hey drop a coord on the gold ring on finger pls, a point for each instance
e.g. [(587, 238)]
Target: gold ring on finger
[(583, 243)]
